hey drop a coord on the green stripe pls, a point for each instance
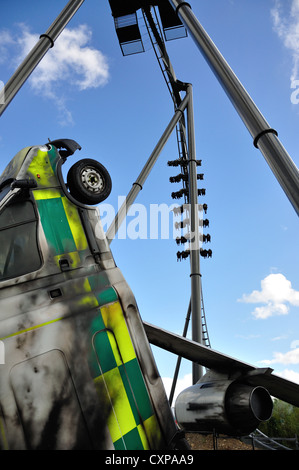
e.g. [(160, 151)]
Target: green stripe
[(107, 296), (119, 445), (131, 440), (96, 326), (103, 351), (100, 281), (52, 154), (131, 375), (130, 394), (56, 226)]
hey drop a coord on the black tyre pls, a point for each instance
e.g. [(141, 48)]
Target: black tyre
[(89, 182)]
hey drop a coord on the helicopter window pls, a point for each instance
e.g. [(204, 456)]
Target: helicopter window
[(18, 241)]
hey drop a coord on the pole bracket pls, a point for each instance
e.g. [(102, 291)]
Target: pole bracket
[(137, 184), (48, 37), (186, 4), (265, 131)]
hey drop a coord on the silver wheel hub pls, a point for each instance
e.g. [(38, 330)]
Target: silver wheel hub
[(92, 180)]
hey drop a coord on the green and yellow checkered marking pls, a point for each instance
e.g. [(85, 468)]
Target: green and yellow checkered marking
[(59, 217), (114, 366), (62, 225), (132, 422)]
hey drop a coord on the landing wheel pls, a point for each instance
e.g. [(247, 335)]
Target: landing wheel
[(89, 182)]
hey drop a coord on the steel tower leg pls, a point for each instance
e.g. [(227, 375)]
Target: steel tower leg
[(194, 237), (195, 275), (264, 137)]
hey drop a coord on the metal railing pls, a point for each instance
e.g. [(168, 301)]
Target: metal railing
[(259, 439)]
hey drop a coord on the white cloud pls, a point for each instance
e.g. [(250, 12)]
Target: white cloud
[(286, 25), (290, 357), (276, 294), (71, 64), (279, 338), (70, 60), (5, 40), (182, 383), (248, 337), (289, 375)]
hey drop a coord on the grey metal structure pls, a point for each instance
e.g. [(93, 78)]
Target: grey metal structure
[(194, 250), (138, 184), (195, 275), (227, 378), (265, 138), (188, 154)]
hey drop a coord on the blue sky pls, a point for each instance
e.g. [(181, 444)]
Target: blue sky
[(117, 108)]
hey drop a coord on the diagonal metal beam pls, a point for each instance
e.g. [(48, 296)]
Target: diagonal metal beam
[(138, 185), (264, 137), (34, 57)]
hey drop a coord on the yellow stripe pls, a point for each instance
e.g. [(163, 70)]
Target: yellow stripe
[(153, 432), (73, 257), (31, 328), (41, 170), (113, 318), (143, 437), (46, 193), (75, 224), (89, 300), (121, 420), (115, 349)]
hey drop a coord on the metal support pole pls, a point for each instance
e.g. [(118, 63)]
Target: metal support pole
[(137, 186), (45, 42), (179, 359), (264, 137), (194, 236)]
